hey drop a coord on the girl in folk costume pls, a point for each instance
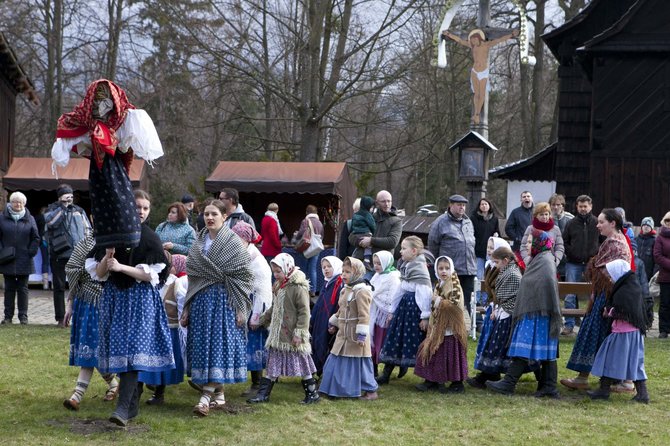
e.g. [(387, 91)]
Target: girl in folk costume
[(157, 381), (410, 319), (621, 355), (348, 369), (488, 288), (493, 359), (443, 355), (385, 298), (262, 300), (289, 350), (216, 310), (595, 327), (82, 308), (107, 128), (536, 321), (326, 305), (134, 334)]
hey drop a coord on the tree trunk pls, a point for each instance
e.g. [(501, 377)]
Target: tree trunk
[(114, 13), (538, 78)]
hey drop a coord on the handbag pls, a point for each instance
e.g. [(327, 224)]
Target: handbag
[(315, 244), (60, 243), (7, 254), (304, 242)]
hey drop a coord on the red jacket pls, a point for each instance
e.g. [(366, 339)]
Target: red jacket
[(270, 233)]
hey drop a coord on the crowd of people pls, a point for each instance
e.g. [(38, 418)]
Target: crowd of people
[(208, 297)]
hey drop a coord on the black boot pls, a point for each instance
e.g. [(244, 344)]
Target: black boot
[(427, 385), (508, 383), (642, 394), (376, 370), (255, 383), (127, 389), (311, 395), (479, 381), (455, 387), (546, 388), (402, 371), (158, 397), (539, 376), (264, 390), (386, 374), (134, 407), (603, 392)]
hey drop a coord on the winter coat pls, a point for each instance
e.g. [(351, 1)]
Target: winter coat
[(518, 221), (388, 233), (456, 239), (581, 239), (25, 239), (270, 232), (557, 247), (485, 227), (180, 234), (71, 221), (352, 318), (239, 214), (363, 223), (662, 255), (645, 251)]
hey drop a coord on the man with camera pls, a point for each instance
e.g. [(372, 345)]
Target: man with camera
[(66, 225)]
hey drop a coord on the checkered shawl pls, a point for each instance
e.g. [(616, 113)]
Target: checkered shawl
[(507, 286), (81, 284), (227, 262)]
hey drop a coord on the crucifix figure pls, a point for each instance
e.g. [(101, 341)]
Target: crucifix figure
[(479, 76)]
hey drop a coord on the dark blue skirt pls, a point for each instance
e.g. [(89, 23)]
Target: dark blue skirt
[(404, 335), (257, 354), (84, 334), (133, 328), (494, 359), (216, 347), (170, 377), (322, 341), (487, 327), (591, 334)]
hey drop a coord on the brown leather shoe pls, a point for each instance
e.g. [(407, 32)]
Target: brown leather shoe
[(369, 396), (71, 404), (577, 382)]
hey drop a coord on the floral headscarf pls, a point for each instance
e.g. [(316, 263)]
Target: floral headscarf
[(179, 264), (541, 242), (386, 260), (284, 262), (357, 271), (246, 232)]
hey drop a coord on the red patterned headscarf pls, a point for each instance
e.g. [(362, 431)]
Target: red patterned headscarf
[(103, 134)]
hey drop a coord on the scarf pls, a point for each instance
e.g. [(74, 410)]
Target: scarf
[(336, 264), (16, 215), (416, 271), (357, 274), (274, 216), (543, 226), (226, 262), (614, 247), (386, 260), (287, 265), (626, 297), (538, 292), (498, 242), (541, 242), (246, 232), (179, 264), (81, 284), (85, 118)]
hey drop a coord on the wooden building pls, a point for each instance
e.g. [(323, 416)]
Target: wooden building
[(614, 109), (13, 80)]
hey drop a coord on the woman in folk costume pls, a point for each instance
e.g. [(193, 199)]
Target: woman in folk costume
[(326, 305), (134, 334), (82, 308), (289, 350), (157, 381), (488, 288), (348, 369), (493, 359), (261, 297), (443, 355), (385, 298), (595, 327), (107, 128), (536, 321), (410, 319), (621, 355), (218, 304)]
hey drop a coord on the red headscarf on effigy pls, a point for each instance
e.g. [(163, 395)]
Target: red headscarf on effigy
[(103, 134)]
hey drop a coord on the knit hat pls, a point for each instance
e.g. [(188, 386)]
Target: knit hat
[(367, 202), (63, 189), (187, 199), (648, 221)]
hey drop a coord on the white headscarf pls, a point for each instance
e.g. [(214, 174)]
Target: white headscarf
[(336, 264), (385, 259), (497, 243), (451, 266), (285, 262), (617, 268)]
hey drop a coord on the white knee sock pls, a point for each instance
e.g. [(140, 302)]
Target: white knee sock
[(82, 383)]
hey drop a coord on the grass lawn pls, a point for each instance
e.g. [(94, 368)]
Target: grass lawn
[(35, 378)]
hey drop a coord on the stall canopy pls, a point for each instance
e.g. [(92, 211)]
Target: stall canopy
[(35, 174), (260, 183)]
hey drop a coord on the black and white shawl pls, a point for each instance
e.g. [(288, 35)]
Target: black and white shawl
[(227, 262), (507, 287), (82, 286)]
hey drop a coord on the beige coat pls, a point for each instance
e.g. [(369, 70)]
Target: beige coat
[(289, 316), (352, 319)]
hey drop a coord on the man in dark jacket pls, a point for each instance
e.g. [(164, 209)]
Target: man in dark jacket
[(581, 241), (234, 210), (519, 220), (389, 226)]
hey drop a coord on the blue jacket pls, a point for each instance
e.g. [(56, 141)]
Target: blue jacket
[(518, 221), (456, 239), (25, 239)]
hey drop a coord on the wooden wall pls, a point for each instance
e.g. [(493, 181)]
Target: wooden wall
[(7, 118)]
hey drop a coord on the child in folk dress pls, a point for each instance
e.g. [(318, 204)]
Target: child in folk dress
[(324, 307), (348, 371), (442, 355), (410, 320), (385, 284)]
